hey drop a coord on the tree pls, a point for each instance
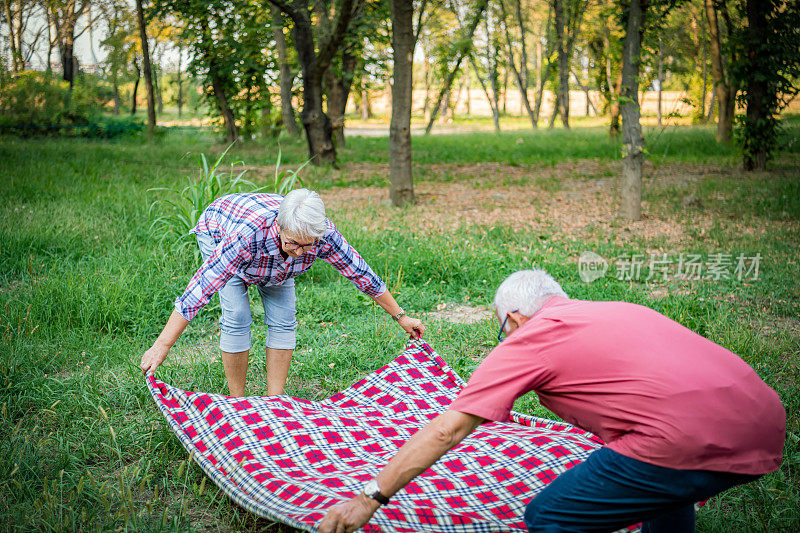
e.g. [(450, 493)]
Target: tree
[(723, 89), (461, 47), (366, 26), (17, 16), (767, 72), (286, 77), (64, 16), (148, 76), (229, 46), (313, 65), (567, 17), (521, 72), (401, 189), (119, 43), (632, 141)]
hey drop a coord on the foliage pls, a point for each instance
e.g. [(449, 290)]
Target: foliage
[(39, 103), (768, 74), (177, 213), (231, 49)]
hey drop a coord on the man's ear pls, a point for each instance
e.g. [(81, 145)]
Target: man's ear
[(517, 318)]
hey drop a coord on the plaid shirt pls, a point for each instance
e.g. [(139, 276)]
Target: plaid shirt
[(245, 228)]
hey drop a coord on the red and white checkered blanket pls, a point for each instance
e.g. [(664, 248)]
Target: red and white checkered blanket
[(289, 460)]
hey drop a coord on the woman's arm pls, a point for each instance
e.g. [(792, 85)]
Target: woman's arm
[(412, 326), (153, 357)]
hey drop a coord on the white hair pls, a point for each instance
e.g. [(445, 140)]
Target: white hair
[(302, 212), (524, 291)]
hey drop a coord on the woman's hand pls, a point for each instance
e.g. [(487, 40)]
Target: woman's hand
[(412, 326), (153, 357)]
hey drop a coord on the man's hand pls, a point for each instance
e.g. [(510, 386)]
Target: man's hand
[(412, 326), (153, 357), (349, 516)]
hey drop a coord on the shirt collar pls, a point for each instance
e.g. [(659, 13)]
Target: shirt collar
[(272, 240)]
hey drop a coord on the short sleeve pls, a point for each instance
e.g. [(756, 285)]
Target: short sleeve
[(512, 369)]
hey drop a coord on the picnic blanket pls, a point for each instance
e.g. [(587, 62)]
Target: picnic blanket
[(289, 459)]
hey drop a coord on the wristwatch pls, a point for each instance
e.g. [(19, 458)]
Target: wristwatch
[(399, 315), (372, 490)]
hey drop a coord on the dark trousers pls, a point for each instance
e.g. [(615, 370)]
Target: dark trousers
[(610, 491)]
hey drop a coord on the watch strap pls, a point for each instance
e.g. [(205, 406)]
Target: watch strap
[(378, 497), (399, 315)]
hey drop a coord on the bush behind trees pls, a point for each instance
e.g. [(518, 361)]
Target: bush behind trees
[(36, 103)]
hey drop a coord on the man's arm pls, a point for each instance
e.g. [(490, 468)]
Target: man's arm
[(418, 454)]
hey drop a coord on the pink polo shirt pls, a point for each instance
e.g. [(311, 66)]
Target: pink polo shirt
[(652, 389)]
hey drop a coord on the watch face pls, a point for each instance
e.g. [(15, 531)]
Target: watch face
[(371, 488)]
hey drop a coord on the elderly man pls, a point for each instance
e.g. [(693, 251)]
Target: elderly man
[(683, 418), (265, 240)]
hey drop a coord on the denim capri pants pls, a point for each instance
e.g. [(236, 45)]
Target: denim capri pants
[(235, 322)]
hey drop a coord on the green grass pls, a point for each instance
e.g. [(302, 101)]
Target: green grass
[(85, 290)]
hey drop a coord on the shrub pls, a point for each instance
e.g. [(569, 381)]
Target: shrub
[(177, 212), (36, 103)]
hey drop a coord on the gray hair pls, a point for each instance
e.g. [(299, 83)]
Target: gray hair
[(524, 291), (302, 212)]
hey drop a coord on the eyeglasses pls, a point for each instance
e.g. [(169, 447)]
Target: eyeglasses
[(296, 245), (502, 333)]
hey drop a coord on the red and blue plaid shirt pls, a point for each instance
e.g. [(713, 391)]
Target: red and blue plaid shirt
[(245, 228)]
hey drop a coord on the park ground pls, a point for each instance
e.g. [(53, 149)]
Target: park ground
[(86, 287)]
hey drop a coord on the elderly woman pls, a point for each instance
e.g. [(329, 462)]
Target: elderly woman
[(265, 240)]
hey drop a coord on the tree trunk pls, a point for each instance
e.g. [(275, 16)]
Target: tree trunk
[(489, 97), (556, 105), (426, 103), (722, 88), (468, 88), (135, 87), (661, 78), (116, 96), (705, 72), (614, 85), (632, 141), (148, 76), (366, 108), (67, 50), (286, 78), (543, 74), (401, 189), (180, 82), (464, 49), (757, 96), (317, 125), (338, 94), (16, 54), (266, 122), (563, 62), (231, 131)]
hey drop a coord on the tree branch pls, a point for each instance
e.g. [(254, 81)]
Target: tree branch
[(328, 49), (295, 14)]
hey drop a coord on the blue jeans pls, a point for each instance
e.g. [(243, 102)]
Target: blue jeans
[(610, 491), (235, 322)]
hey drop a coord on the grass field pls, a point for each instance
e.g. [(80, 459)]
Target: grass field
[(86, 289)]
